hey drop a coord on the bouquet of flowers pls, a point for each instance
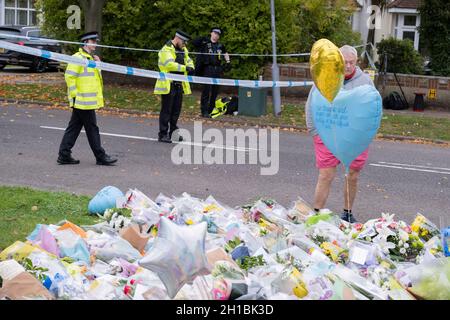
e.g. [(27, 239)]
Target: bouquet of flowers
[(394, 238), (335, 252), (118, 218), (319, 236), (424, 228)]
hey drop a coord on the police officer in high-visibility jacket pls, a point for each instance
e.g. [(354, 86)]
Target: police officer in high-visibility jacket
[(85, 91), (173, 58)]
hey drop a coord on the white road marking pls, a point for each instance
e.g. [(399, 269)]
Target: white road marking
[(153, 139), (408, 168), (412, 165)]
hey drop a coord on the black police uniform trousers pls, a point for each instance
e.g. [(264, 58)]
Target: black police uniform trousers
[(210, 91), (88, 120), (170, 109)]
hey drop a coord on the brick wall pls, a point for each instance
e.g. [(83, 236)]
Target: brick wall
[(410, 84)]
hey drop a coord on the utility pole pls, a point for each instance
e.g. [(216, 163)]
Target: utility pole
[(276, 96)]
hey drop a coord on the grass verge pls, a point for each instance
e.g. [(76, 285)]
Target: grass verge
[(21, 209)]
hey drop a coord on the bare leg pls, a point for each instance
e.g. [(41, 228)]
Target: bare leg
[(326, 177), (350, 188)]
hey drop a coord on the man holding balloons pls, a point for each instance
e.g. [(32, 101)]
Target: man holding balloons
[(328, 81)]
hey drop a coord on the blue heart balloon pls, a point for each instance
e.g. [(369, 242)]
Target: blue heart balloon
[(104, 199), (348, 125)]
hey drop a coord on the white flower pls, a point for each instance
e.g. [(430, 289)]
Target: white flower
[(400, 243), (383, 244), (384, 232), (403, 235), (388, 218), (406, 245), (402, 250)]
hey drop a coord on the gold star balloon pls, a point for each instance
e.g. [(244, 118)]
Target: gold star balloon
[(327, 68)]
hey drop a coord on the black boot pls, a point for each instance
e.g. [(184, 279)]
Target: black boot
[(67, 160), (165, 139), (106, 161)]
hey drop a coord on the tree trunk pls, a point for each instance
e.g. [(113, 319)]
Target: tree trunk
[(93, 14), (93, 17)]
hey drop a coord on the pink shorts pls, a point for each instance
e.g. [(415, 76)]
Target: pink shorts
[(325, 159)]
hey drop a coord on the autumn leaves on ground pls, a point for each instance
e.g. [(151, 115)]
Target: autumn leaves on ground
[(52, 90)]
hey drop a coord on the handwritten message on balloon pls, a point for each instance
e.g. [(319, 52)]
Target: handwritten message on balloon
[(347, 125), (328, 117)]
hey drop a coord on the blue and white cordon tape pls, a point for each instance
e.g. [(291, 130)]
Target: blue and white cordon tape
[(148, 73)]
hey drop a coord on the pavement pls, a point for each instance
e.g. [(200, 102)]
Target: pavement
[(401, 178)]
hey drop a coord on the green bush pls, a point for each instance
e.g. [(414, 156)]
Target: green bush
[(401, 56), (246, 25), (435, 34)]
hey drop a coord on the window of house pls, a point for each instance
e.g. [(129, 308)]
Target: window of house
[(20, 12), (406, 27), (409, 20)]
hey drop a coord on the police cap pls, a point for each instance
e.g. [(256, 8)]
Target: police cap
[(183, 35), (216, 30), (90, 35)]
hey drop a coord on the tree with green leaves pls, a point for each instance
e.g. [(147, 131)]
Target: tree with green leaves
[(246, 25), (435, 34)]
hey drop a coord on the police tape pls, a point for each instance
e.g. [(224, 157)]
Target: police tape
[(148, 73), (48, 40), (3, 35)]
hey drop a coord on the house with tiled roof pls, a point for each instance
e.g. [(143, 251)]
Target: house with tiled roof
[(399, 19)]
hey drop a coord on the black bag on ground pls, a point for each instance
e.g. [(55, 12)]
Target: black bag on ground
[(233, 105), (394, 101)]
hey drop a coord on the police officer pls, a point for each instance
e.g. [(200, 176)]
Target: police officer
[(212, 63), (85, 91), (173, 58)]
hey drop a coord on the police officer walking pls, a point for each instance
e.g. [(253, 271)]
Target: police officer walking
[(212, 63), (173, 58), (85, 91)]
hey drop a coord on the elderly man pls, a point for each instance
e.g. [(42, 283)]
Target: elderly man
[(326, 162)]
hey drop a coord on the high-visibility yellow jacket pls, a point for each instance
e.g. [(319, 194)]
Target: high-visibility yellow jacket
[(84, 84), (220, 109), (167, 64)]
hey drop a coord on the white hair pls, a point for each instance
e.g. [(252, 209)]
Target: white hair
[(349, 49)]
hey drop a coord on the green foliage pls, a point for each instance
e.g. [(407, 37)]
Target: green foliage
[(402, 57), (435, 34), (37, 272), (232, 244), (319, 19), (246, 25), (247, 263), (55, 19)]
